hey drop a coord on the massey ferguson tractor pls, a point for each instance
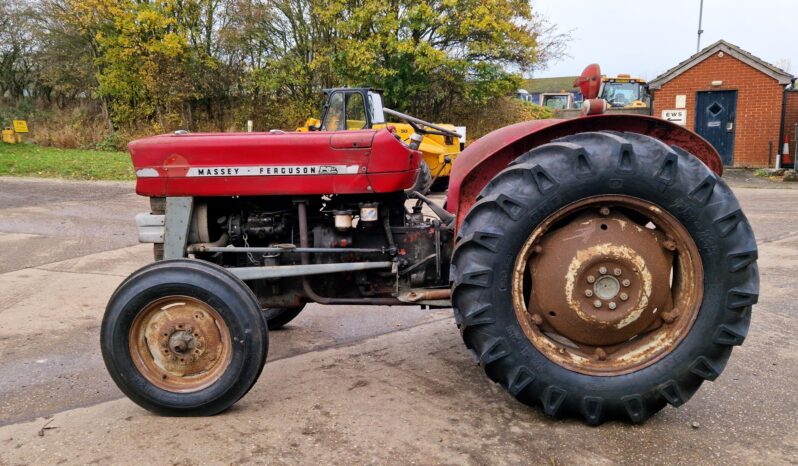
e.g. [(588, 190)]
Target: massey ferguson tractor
[(597, 267)]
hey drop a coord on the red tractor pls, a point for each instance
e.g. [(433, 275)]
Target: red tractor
[(597, 267)]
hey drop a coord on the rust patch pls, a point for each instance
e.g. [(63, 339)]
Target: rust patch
[(594, 286), (428, 295), (180, 344)]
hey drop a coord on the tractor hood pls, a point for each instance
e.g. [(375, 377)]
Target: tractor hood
[(274, 163)]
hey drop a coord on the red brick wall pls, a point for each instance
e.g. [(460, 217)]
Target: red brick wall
[(759, 101)]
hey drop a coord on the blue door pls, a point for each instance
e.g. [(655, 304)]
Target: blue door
[(714, 121)]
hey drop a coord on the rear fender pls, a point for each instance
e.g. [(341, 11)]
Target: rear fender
[(490, 154)]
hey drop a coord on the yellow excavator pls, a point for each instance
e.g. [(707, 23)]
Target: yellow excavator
[(349, 109), (624, 91)]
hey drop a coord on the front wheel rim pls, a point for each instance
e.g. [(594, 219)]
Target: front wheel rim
[(180, 344), (608, 285)]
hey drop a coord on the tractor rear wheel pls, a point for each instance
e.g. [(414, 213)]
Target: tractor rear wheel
[(604, 275), (184, 338)]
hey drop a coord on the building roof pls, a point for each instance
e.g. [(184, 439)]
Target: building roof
[(728, 48), (564, 83)]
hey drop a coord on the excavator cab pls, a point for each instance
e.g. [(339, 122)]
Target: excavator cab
[(347, 109), (350, 109), (625, 92)]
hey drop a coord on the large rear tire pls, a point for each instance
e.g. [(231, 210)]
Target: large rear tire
[(184, 338), (533, 240)]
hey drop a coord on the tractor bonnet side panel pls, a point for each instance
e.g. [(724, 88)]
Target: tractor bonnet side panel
[(490, 154), (263, 164)]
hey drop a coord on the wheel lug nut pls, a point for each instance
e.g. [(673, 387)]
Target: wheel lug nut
[(603, 270), (589, 293), (627, 282), (612, 306), (591, 279), (597, 304), (669, 317), (617, 272), (624, 296), (604, 211), (536, 319)]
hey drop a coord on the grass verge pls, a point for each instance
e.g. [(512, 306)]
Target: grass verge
[(72, 164)]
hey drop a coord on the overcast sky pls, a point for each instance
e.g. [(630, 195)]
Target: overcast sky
[(647, 37)]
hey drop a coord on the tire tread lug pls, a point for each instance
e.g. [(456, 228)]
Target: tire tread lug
[(703, 368), (520, 379), (635, 408), (494, 350), (591, 409), (553, 398), (672, 393)]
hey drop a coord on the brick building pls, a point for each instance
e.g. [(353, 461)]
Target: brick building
[(733, 99)]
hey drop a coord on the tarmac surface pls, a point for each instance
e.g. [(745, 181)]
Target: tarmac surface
[(355, 384)]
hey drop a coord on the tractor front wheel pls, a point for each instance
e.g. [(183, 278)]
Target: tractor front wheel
[(605, 275), (184, 338)]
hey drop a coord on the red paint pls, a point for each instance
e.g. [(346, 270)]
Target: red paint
[(589, 82), (490, 154), (386, 165), (351, 139)]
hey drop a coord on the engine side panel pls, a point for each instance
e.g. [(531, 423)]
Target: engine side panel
[(489, 155), (263, 164)]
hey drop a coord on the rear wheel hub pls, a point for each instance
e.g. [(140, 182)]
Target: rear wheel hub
[(596, 283)]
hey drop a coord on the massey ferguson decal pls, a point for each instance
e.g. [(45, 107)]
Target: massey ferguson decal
[(274, 170)]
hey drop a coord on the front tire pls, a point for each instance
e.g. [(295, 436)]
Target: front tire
[(184, 338), (499, 304)]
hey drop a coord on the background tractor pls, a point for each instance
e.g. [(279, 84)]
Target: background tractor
[(624, 91), (348, 109), (597, 267)]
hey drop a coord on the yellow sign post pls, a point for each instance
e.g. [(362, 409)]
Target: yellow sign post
[(20, 126)]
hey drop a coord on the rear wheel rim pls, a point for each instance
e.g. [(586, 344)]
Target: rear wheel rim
[(608, 285), (180, 344)]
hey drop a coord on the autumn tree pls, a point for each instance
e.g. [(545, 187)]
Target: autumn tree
[(211, 64), (426, 55), (17, 63)]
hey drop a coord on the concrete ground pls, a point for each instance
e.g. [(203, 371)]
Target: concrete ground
[(345, 385)]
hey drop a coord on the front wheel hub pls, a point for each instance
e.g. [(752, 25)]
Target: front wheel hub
[(180, 344), (595, 285)]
